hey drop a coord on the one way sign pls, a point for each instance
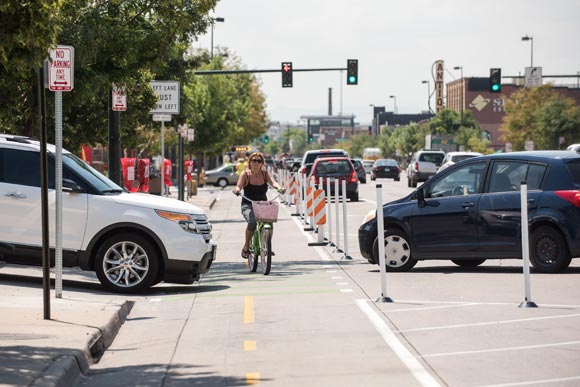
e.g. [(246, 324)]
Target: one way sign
[(61, 69)]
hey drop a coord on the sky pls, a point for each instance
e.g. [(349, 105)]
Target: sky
[(396, 43)]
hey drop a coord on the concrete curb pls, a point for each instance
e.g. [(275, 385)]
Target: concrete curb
[(66, 371)]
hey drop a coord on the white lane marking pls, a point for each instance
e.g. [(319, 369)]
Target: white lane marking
[(342, 283), (542, 382), (331, 271), (488, 323), (411, 309), (346, 290), (501, 349), (155, 300), (336, 277), (416, 368)]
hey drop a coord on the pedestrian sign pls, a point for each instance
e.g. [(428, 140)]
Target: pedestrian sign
[(61, 68)]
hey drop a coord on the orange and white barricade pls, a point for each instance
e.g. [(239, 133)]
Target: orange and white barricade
[(319, 215), (309, 213)]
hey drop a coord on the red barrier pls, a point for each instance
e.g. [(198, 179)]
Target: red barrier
[(128, 164), (167, 172), (188, 169), (143, 175)]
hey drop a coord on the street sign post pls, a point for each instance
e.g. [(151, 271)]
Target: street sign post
[(61, 68), (533, 77), (119, 95)]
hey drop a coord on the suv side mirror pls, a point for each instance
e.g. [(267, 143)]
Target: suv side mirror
[(420, 194), (69, 185)]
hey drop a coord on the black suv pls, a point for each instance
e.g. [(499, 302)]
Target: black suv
[(471, 212)]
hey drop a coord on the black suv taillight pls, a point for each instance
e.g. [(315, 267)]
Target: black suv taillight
[(572, 196)]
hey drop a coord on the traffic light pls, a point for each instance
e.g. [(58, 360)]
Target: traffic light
[(266, 139), (286, 74), (352, 72), (495, 80), (310, 138)]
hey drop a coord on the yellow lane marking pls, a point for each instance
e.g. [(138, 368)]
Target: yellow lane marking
[(249, 345), (249, 310), (253, 378)]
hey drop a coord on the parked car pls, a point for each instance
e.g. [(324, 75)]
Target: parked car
[(368, 164), (471, 212), (386, 168), (222, 176), (338, 168), (423, 165), (574, 148), (311, 155), (455, 157), (131, 240), (360, 170)]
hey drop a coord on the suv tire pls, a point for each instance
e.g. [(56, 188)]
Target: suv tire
[(398, 254), (548, 250), (127, 263)]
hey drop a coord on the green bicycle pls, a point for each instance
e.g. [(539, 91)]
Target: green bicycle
[(266, 213)]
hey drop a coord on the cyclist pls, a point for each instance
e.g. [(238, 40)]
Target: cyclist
[(254, 181)]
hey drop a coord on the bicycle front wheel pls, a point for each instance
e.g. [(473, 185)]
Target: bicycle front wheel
[(253, 259), (266, 250)]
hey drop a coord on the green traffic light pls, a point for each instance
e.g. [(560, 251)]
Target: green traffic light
[(352, 79), (495, 87)]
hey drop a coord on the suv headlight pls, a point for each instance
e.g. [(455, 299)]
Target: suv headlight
[(371, 215), (185, 221)]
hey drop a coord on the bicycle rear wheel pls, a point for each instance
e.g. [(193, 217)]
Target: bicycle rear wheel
[(266, 251), (252, 259)]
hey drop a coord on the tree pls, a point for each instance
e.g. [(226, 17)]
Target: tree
[(539, 114), (357, 143), (28, 29)]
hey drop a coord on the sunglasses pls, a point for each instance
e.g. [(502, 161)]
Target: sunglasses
[(259, 161)]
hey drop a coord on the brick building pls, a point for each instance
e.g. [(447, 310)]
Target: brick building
[(488, 108)]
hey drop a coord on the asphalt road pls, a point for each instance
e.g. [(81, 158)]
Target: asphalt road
[(314, 320)]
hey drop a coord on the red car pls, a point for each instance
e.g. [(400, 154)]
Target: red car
[(338, 168)]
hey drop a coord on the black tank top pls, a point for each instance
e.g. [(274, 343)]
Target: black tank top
[(255, 192)]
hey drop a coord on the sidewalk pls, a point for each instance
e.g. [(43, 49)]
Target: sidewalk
[(54, 352)]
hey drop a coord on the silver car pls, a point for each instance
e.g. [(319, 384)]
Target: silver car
[(222, 176)]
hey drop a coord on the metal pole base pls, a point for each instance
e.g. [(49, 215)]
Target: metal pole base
[(527, 304), (308, 229), (317, 244), (348, 257), (295, 214), (384, 299)]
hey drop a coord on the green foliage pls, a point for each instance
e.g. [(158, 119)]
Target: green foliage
[(542, 115), (357, 143)]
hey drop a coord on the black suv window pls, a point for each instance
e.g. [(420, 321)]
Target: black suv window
[(466, 180), (19, 167), (574, 168), (435, 158)]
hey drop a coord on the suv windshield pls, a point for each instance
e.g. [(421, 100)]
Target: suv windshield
[(89, 174)]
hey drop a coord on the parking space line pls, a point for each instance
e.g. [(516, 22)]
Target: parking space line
[(489, 323), (410, 361), (523, 347), (531, 382)]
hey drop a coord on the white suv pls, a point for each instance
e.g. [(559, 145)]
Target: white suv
[(131, 240)]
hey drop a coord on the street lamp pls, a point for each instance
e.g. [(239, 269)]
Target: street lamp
[(213, 21), (395, 98), (428, 97), (531, 39), (462, 86)]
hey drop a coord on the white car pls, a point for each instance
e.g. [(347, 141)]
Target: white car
[(574, 148), (454, 157), (131, 240)]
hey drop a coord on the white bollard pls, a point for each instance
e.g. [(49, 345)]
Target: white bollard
[(336, 200), (329, 181), (344, 223), (381, 244), (527, 303)]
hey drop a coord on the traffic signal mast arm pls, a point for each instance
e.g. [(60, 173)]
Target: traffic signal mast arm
[(215, 72)]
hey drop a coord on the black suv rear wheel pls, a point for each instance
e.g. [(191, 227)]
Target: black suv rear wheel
[(548, 250)]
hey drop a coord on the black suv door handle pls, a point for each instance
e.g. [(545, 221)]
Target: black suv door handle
[(467, 205)]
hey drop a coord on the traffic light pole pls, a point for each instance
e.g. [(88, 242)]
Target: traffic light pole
[(216, 72)]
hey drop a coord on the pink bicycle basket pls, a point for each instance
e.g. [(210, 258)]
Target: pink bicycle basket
[(266, 211)]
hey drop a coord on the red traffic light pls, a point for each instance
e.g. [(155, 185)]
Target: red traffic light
[(286, 74)]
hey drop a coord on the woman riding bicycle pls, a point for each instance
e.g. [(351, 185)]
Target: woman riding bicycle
[(254, 181)]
